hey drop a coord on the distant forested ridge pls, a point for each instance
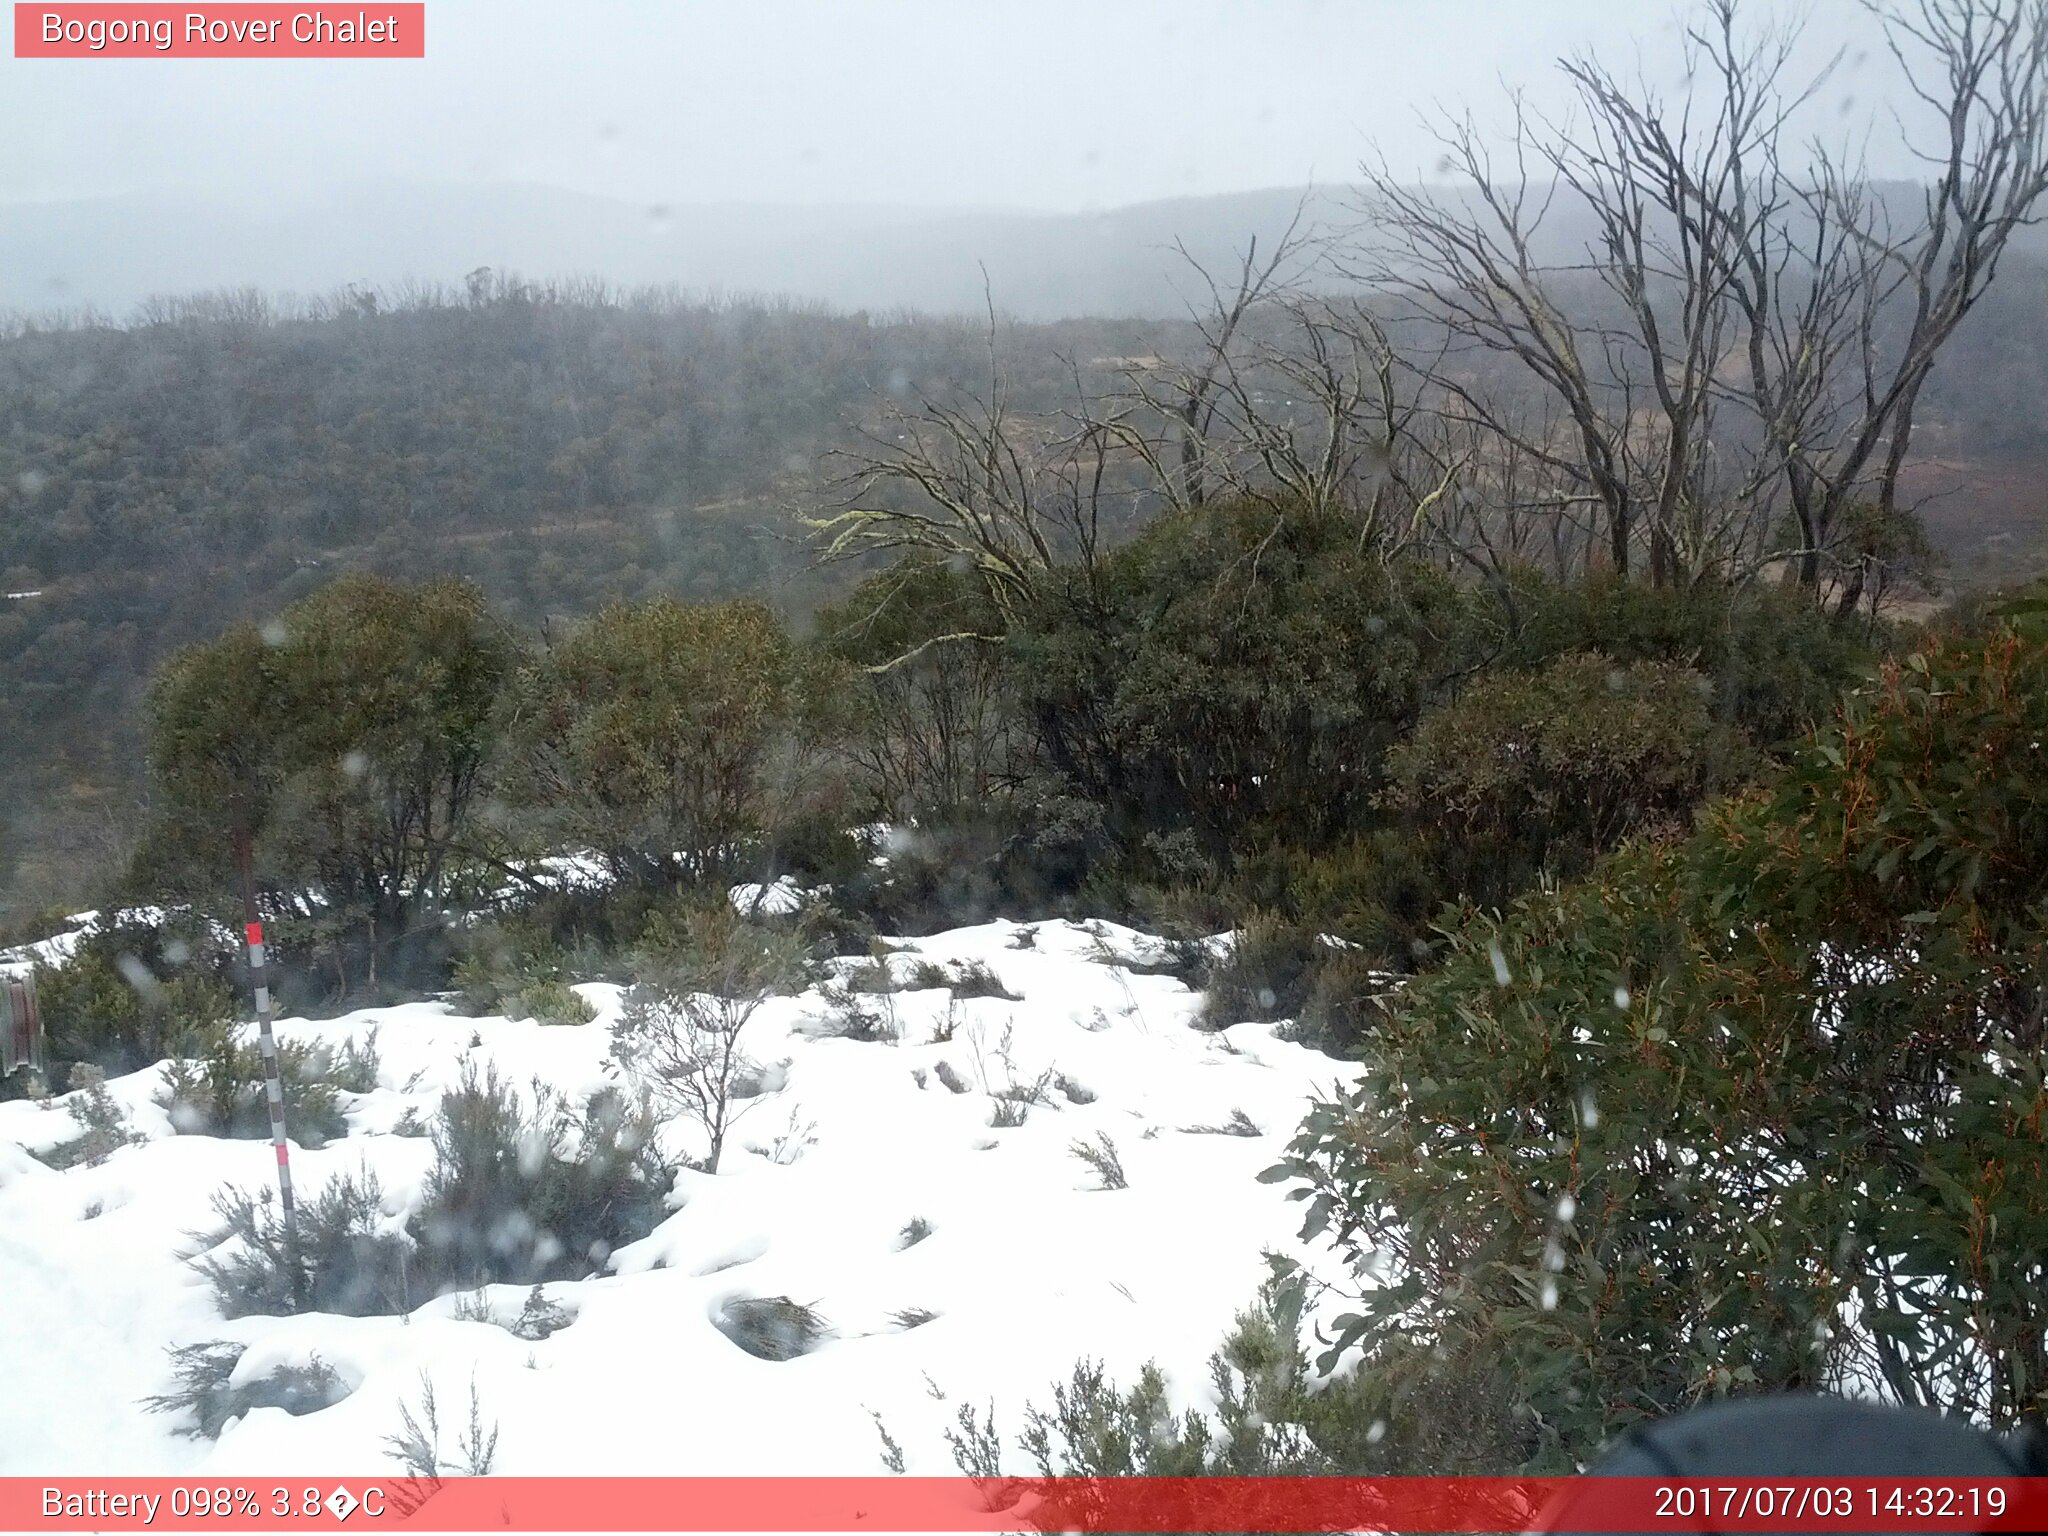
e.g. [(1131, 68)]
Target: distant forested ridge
[(218, 458)]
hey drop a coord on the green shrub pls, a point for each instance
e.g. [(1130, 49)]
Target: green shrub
[(1266, 973), (552, 1002), (102, 1123), (525, 1189), (1651, 1138), (219, 1089), (1776, 661), (670, 738), (1349, 995), (346, 1257), (1541, 772), (771, 1327), (132, 995), (499, 964), (1235, 673), (1271, 1419)]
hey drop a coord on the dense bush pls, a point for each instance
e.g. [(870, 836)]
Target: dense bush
[(670, 738), (130, 995), (354, 753), (934, 729), (1265, 972), (1529, 773), (519, 984), (1761, 1110), (1776, 660), (1235, 674)]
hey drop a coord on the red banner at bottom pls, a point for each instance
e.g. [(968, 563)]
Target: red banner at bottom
[(864, 1504)]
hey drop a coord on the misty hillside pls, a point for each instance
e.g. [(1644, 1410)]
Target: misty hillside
[(1040, 266), (109, 254)]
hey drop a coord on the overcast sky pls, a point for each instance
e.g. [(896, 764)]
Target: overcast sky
[(1046, 104)]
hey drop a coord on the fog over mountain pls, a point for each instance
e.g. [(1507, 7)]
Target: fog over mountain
[(110, 253)]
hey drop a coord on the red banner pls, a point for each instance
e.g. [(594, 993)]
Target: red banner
[(265, 31), (867, 1504)]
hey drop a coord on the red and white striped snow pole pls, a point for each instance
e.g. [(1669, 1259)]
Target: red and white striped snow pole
[(273, 1079)]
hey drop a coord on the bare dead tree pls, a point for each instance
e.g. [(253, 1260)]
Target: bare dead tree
[(1736, 336), (1006, 494)]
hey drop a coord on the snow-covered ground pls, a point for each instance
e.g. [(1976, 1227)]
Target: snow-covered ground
[(1029, 1264)]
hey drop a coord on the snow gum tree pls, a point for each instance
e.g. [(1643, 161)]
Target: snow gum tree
[(1759, 1110)]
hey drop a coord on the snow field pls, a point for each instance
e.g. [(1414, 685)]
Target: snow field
[(1029, 1264)]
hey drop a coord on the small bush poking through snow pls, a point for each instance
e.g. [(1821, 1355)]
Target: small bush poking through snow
[(551, 1002), (678, 1037), (892, 1453), (915, 1231), (102, 1122), (974, 978), (355, 1067), (849, 1015), (1101, 1155), (1267, 973), (525, 1189), (948, 1074), (539, 1317), (417, 1444), (219, 1090), (912, 1317), (771, 1327), (520, 978), (204, 1390), (346, 1258)]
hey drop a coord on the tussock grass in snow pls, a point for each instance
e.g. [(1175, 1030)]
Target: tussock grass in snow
[(1239, 1124), (1101, 1155)]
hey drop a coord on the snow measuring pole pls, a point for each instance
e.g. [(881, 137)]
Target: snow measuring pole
[(273, 1080)]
